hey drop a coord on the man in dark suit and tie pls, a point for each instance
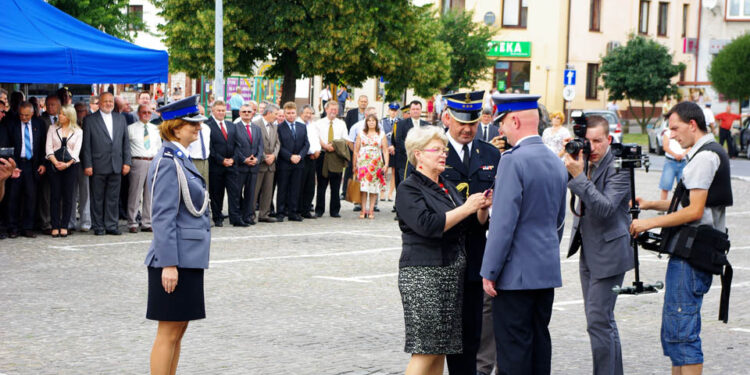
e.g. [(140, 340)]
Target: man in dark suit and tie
[(294, 146), (221, 169), (352, 117), (49, 117), (521, 264), (247, 156), (106, 158), (27, 136), (399, 136), (486, 129)]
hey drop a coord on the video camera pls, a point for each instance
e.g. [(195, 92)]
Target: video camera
[(579, 143), (629, 155)]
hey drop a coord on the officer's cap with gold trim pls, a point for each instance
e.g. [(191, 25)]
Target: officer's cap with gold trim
[(465, 107), (507, 103), (185, 109)]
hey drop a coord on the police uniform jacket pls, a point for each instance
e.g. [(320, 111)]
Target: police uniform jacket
[(422, 204), (477, 179), (180, 239)]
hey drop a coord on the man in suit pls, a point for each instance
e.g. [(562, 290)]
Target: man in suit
[(521, 264), (399, 136), (329, 129), (353, 116), (49, 117), (294, 146), (267, 168), (27, 136), (602, 235), (308, 174), (487, 130), (81, 188), (106, 158), (221, 169), (471, 166), (247, 155)]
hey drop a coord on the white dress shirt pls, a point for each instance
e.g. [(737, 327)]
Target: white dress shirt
[(135, 136), (194, 149), (339, 129), (312, 136), (107, 117), (458, 146)]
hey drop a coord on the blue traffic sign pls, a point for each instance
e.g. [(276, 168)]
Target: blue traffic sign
[(569, 78)]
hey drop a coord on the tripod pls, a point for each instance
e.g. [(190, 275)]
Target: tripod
[(638, 286)]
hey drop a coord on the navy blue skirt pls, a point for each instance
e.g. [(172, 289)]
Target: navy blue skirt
[(185, 303)]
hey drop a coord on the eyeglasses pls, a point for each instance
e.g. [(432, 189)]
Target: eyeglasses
[(443, 150), (246, 111), (146, 113)]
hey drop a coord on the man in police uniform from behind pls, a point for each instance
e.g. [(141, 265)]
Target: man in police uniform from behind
[(602, 235), (470, 166), (706, 179)]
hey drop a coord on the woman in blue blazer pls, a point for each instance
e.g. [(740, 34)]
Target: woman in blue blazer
[(180, 248)]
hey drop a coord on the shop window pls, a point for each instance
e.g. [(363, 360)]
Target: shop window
[(685, 13), (661, 29), (137, 12), (512, 76), (515, 13), (595, 15), (643, 17), (592, 81), (737, 10)]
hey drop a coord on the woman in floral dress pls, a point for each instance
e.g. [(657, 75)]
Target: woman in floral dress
[(371, 159)]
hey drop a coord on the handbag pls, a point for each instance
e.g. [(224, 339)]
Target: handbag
[(352, 192), (62, 154)]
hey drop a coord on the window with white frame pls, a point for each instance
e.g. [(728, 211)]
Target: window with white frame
[(737, 10)]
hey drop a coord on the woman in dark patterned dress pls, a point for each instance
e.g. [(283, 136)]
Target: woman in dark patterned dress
[(431, 214)]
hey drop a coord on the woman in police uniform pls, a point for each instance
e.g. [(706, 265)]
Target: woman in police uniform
[(180, 248)]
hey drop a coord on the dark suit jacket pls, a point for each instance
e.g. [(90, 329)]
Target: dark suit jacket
[(292, 145), (352, 117), (106, 155), (14, 138), (492, 129), (221, 148), (243, 148), (399, 136)]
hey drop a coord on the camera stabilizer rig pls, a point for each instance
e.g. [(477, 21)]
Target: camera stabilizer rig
[(629, 156)]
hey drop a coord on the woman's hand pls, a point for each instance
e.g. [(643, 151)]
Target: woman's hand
[(475, 202), (487, 199), (169, 278), (60, 165)]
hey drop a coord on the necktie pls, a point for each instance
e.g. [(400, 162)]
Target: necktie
[(249, 133), (54, 119), (27, 141), (146, 141), (224, 131), (330, 131), (485, 132), (466, 156), (294, 131), (591, 170), (203, 146)]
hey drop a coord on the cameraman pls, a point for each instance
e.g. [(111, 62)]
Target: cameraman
[(602, 235), (706, 178)]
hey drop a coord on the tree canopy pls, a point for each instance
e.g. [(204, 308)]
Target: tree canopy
[(642, 70), (469, 62), (109, 16), (729, 73), (344, 41)]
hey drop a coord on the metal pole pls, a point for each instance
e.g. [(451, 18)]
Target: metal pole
[(219, 51)]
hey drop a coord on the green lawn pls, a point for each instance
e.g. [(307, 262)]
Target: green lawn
[(641, 139)]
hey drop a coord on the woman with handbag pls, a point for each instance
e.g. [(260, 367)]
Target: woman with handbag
[(63, 148)]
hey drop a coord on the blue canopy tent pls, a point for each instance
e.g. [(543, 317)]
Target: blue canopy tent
[(41, 44)]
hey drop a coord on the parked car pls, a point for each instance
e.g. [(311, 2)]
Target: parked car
[(656, 135), (615, 126)]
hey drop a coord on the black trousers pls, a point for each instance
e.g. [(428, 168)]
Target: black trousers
[(726, 135), (235, 114), (334, 181), (347, 175), (105, 195), (222, 178), (247, 193), (123, 204), (61, 194), (22, 197), (466, 362), (308, 186), (521, 319), (287, 195)]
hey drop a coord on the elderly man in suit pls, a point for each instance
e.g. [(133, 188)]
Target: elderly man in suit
[(106, 158), (294, 146), (27, 136), (399, 136), (486, 129), (267, 168), (521, 264), (602, 235), (221, 168), (247, 156)]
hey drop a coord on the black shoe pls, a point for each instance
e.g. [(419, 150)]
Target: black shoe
[(395, 218), (272, 214), (3, 235), (376, 209), (219, 223), (29, 234), (279, 218), (357, 208), (241, 224), (335, 215), (99, 232), (114, 232), (393, 209), (147, 229), (13, 234), (318, 214), (308, 215), (295, 218), (250, 221), (267, 220)]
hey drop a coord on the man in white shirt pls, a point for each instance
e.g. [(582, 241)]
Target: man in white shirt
[(145, 141), (710, 120), (329, 128), (308, 173), (325, 96)]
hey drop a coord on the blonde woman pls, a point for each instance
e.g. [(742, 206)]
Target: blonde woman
[(554, 136), (63, 148)]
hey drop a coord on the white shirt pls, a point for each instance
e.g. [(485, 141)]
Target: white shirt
[(325, 94), (484, 130), (107, 117), (415, 122), (709, 116), (135, 136), (312, 136), (673, 144), (698, 174), (194, 149), (339, 129), (355, 130), (23, 139), (221, 124), (458, 147)]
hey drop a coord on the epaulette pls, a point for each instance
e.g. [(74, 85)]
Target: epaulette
[(168, 153)]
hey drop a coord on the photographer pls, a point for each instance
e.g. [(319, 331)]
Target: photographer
[(707, 191), (602, 234)]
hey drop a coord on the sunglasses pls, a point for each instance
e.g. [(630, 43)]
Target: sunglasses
[(443, 150), (246, 111)]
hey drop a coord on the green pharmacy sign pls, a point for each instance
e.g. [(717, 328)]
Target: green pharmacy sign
[(509, 49)]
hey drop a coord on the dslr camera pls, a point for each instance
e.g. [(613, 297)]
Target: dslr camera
[(629, 155), (579, 143)]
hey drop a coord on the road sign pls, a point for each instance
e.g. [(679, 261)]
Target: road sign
[(569, 92), (569, 78)]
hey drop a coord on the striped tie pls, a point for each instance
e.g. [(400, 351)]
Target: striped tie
[(27, 141)]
